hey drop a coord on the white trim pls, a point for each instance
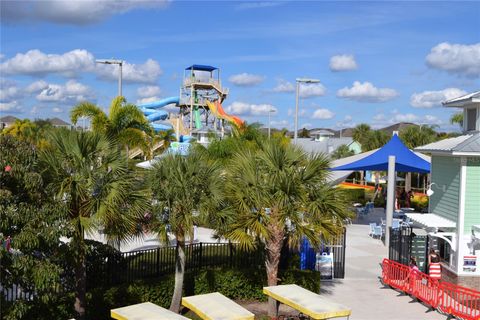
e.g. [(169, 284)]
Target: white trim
[(461, 214)]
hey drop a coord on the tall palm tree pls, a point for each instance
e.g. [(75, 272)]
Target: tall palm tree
[(361, 134), (279, 192), (86, 174), (183, 186), (124, 122)]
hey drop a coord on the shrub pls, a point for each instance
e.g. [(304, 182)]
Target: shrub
[(355, 195), (246, 284)]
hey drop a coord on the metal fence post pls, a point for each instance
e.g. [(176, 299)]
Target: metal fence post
[(200, 262)]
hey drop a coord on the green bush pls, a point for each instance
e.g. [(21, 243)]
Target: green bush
[(244, 284), (355, 195)]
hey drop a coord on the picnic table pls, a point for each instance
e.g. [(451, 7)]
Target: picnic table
[(144, 311), (307, 302), (215, 306)]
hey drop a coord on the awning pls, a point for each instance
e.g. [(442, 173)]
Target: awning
[(476, 228), (201, 67), (431, 220), (405, 159)]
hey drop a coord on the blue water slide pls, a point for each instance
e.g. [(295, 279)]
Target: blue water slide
[(152, 112)]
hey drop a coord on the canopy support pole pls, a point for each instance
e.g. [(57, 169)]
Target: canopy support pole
[(390, 199)]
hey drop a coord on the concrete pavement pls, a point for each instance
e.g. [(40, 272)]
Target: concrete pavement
[(362, 290)]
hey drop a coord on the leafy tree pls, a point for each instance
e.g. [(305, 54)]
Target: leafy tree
[(86, 174), (33, 224), (342, 151), (28, 131), (414, 136), (183, 186), (457, 118), (304, 133), (278, 192), (124, 122)]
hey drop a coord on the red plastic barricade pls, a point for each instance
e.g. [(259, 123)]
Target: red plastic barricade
[(395, 274), (424, 288), (459, 301)]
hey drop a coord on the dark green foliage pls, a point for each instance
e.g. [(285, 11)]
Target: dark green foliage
[(355, 195), (244, 284), (342, 152)]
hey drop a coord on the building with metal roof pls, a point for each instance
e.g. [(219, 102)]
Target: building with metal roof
[(454, 205)]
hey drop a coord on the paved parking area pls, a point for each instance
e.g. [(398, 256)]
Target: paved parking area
[(362, 290)]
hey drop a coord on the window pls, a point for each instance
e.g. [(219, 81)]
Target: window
[(471, 119)]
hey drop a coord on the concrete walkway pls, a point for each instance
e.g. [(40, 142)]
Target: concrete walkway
[(362, 290)]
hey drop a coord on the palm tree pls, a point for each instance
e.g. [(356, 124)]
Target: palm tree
[(279, 192), (86, 174), (342, 152), (457, 118), (183, 186), (124, 122), (361, 133), (375, 139), (414, 136)]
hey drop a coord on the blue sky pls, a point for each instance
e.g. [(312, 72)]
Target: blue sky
[(378, 62)]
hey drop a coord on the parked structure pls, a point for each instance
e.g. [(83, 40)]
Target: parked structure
[(323, 141)]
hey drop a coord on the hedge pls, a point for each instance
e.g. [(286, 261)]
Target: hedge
[(244, 284)]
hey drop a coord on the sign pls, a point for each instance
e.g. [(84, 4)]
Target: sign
[(469, 263), (324, 264)]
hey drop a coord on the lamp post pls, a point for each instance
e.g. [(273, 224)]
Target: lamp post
[(269, 126), (120, 64), (299, 80)]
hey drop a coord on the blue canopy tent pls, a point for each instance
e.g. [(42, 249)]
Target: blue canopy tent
[(405, 159), (393, 156)]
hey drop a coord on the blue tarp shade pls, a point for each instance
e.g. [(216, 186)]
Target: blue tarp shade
[(200, 67), (405, 159)]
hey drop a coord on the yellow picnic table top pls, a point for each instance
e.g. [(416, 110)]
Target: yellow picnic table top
[(144, 311), (215, 306), (307, 302)]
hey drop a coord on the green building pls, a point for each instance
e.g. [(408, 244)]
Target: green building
[(454, 207)]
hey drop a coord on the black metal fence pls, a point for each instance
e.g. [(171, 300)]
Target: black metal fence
[(404, 244), (151, 263)]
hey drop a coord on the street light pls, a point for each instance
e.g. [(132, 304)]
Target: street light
[(300, 80), (120, 64), (269, 113)]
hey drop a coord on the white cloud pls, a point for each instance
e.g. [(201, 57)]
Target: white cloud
[(306, 90), (343, 62), (379, 117), (429, 99), (312, 90), (71, 12), (11, 107), (72, 92), (148, 91), (35, 62), (246, 79), (366, 92), (242, 108), (323, 114), (57, 110), (284, 86), (408, 117), (429, 119), (282, 124), (147, 72), (257, 5), (36, 86), (306, 125), (9, 90), (459, 59)]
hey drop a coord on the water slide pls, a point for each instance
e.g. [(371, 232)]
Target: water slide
[(153, 113), (198, 119), (217, 109)]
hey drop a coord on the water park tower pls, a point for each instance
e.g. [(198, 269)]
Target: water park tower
[(200, 95)]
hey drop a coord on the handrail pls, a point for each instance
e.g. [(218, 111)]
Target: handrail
[(458, 301)]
